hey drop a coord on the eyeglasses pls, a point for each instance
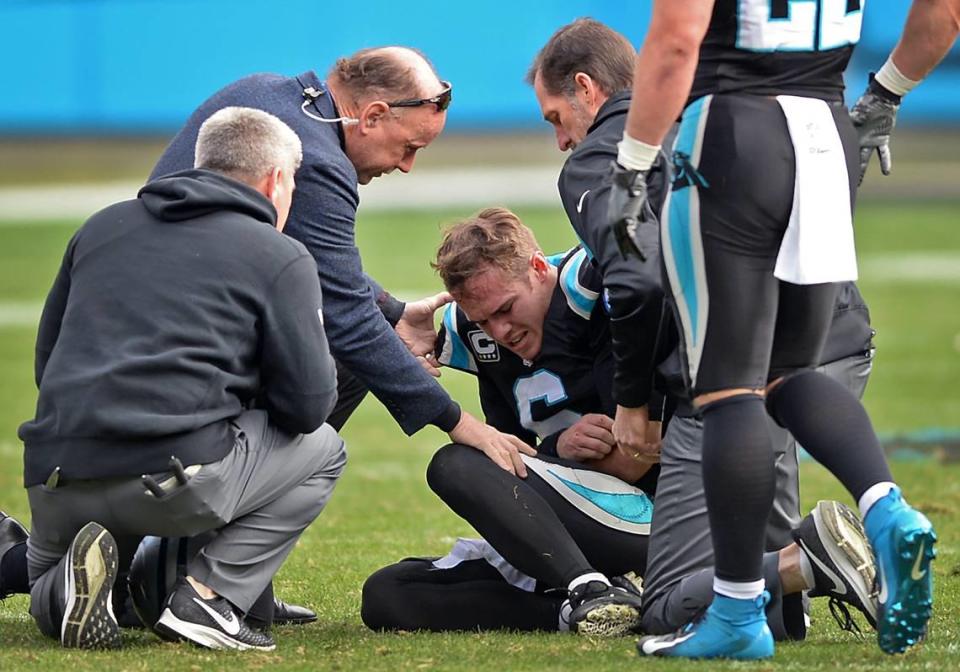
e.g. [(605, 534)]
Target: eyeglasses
[(441, 100)]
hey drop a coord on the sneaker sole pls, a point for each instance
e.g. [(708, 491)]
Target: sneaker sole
[(609, 620), (88, 621), (175, 629), (903, 620), (845, 541)]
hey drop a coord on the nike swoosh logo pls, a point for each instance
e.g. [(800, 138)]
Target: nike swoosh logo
[(230, 626), (580, 202), (654, 645), (838, 586), (630, 507), (915, 572)]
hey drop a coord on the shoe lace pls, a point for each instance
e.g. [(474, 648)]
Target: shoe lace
[(843, 618)]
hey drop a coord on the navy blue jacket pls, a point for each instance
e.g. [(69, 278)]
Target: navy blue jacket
[(355, 309)]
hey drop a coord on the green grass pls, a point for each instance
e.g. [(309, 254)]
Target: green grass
[(383, 511)]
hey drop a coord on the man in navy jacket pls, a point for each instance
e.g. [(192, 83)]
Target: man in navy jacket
[(377, 108)]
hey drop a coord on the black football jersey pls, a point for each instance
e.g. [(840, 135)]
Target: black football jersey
[(773, 47), (572, 376)]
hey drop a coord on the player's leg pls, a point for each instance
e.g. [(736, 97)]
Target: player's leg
[(785, 514), (416, 594), (721, 230), (508, 513), (832, 425), (678, 583), (516, 518)]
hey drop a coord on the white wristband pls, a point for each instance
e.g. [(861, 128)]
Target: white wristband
[(636, 155), (893, 80)]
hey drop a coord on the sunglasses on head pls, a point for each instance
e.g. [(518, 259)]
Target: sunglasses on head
[(441, 100)]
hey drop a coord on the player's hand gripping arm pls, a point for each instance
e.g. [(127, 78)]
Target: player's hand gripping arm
[(931, 29), (666, 65), (590, 438)]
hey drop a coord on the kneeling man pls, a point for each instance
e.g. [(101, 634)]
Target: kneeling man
[(184, 380)]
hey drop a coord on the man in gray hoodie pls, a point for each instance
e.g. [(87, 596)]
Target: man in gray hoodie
[(184, 380)]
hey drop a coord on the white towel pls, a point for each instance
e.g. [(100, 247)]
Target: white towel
[(818, 244), (478, 549)]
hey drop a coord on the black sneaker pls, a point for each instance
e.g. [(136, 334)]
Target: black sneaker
[(209, 623), (602, 610), (91, 569), (11, 534), (833, 538)]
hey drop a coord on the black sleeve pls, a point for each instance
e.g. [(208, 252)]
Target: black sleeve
[(52, 316), (632, 288), (298, 373)]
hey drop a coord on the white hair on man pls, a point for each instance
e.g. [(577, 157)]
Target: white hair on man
[(247, 144)]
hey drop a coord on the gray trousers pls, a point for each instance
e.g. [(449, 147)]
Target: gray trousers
[(260, 497), (679, 579)]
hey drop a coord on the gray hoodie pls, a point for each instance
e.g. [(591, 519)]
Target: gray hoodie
[(170, 315)]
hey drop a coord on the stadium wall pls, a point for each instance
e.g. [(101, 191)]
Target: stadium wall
[(140, 66)]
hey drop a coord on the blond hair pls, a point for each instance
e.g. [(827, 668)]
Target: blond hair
[(494, 237)]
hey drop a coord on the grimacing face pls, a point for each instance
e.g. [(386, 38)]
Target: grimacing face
[(393, 142), (510, 310), (569, 117)]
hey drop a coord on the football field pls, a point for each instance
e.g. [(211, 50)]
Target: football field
[(382, 510)]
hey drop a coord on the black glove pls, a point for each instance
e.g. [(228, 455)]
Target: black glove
[(628, 209), (874, 117)]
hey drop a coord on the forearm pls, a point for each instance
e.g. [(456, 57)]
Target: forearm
[(664, 72), (931, 29)]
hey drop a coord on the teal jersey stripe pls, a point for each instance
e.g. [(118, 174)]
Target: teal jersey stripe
[(630, 507), (680, 220), (580, 299), (459, 356)]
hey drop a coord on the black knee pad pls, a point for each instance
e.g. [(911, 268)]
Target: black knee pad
[(447, 467), (776, 393), (390, 594), (376, 597)]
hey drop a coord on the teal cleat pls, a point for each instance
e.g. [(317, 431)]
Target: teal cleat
[(902, 540), (730, 628)]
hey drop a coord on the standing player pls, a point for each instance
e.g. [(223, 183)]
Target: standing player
[(582, 79), (767, 153)]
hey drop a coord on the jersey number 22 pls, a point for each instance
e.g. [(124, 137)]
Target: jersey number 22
[(798, 25)]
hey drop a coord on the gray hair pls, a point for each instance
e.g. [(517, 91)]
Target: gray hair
[(247, 144)]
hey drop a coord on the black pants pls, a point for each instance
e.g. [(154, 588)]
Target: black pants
[(545, 526)]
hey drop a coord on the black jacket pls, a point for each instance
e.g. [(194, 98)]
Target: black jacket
[(170, 315), (633, 290)]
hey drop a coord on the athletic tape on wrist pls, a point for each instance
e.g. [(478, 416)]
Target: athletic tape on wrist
[(635, 154), (894, 81)]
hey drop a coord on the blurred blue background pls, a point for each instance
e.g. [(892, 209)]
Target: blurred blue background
[(141, 66)]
